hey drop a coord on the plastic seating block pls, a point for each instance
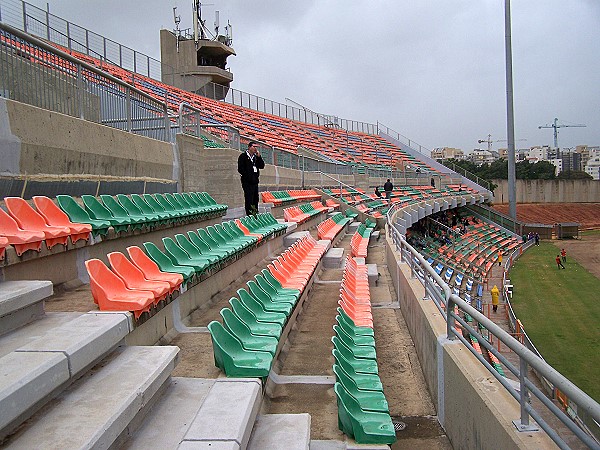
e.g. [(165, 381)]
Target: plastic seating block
[(204, 248), (273, 292), (233, 359), (353, 340), (259, 310), (77, 214), (285, 306), (346, 322), (55, 216), (268, 276), (258, 328), (356, 351), (21, 240), (134, 278), (366, 427), (29, 219), (136, 221), (368, 400), (161, 216), (151, 219), (242, 332), (111, 294), (191, 249), (180, 257), (364, 381), (157, 206), (151, 270), (98, 211), (165, 264)]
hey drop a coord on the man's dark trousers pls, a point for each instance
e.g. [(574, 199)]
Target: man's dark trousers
[(250, 197)]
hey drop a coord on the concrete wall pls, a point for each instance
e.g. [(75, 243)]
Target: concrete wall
[(550, 191), (473, 408), (38, 141)]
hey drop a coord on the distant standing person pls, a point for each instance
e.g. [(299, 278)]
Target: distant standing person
[(559, 264), (563, 254), (500, 258), (377, 192), (249, 164), (432, 182), (537, 239), (495, 298), (388, 187)]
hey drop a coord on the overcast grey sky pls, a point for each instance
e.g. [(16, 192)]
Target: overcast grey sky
[(431, 70)]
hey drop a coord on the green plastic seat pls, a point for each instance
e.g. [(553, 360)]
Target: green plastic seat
[(205, 248), (242, 332), (266, 302), (277, 285), (180, 257), (233, 359), (195, 200), (98, 211), (273, 293), (230, 250), (366, 427), (353, 340), (146, 208), (227, 237), (165, 264), (259, 310), (368, 400), (343, 319), (359, 352), (360, 365), (364, 381), (182, 201), (208, 200), (189, 212), (257, 327), (192, 250), (238, 235), (136, 222), (172, 209), (220, 239), (151, 219), (174, 216), (78, 214)]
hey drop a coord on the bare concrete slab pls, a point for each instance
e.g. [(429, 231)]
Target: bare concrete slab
[(373, 274), (293, 237), (25, 378), (353, 226), (200, 445), (22, 302), (281, 432), (96, 409), (84, 339), (228, 412), (333, 258), (166, 425)]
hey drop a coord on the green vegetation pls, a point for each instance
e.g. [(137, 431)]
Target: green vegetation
[(561, 314)]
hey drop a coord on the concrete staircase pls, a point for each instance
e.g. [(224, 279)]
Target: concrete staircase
[(67, 380)]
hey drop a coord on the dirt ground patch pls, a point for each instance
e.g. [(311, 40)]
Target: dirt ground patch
[(76, 297), (586, 214), (195, 356), (586, 251)]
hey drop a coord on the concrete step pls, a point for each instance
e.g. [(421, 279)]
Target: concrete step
[(281, 432), (96, 409), (227, 415), (166, 424), (22, 302), (37, 371)]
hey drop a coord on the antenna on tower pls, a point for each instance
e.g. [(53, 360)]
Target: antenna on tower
[(216, 23), (177, 20)]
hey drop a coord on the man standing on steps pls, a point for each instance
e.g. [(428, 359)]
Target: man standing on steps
[(388, 187), (249, 165)]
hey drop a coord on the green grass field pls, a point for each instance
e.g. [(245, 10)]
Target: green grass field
[(560, 310)]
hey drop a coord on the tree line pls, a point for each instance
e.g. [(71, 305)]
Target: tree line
[(525, 170)]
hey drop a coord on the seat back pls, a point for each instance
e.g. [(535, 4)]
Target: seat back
[(224, 345), (174, 250), (199, 242), (75, 212), (186, 245), (154, 203), (234, 324), (142, 261), (115, 208), (141, 204), (250, 302), (265, 285), (124, 268), (103, 281), (96, 209), (242, 311), (27, 217), (129, 206), (50, 212), (8, 225)]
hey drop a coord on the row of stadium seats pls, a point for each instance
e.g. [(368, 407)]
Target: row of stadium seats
[(360, 241), (281, 197), (304, 212), (246, 343), (363, 412), (329, 229)]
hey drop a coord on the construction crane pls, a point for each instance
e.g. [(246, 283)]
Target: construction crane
[(556, 126), (489, 141)]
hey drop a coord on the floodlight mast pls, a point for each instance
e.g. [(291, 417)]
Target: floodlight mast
[(510, 116)]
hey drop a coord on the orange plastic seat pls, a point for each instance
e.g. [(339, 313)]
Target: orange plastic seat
[(3, 245), (134, 278), (111, 294), (55, 216), (21, 240), (29, 219), (151, 270)]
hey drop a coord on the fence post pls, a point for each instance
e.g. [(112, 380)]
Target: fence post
[(79, 91), (25, 17), (449, 317), (128, 108)]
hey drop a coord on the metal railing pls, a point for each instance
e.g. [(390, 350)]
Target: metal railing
[(468, 175), (194, 122), (501, 219), (38, 74), (440, 293)]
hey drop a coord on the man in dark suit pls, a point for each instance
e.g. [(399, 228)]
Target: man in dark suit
[(249, 165)]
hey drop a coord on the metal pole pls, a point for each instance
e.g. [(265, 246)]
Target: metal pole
[(510, 119)]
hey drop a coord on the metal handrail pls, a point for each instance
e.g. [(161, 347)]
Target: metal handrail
[(440, 292)]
